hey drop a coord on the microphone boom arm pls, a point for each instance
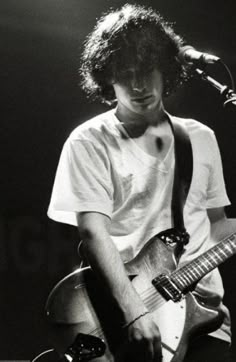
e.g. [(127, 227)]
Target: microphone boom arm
[(228, 95)]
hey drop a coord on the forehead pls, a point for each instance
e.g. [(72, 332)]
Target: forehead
[(132, 68), (124, 77)]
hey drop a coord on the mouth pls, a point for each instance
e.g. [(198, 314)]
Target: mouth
[(142, 99)]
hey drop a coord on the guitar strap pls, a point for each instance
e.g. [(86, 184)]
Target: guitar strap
[(182, 176)]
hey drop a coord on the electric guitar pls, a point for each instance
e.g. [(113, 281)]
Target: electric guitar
[(78, 304)]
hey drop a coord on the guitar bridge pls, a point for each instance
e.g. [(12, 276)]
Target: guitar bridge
[(166, 287)]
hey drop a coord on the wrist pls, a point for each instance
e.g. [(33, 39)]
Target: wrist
[(127, 325)]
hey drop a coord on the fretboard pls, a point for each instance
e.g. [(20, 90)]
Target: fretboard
[(196, 269)]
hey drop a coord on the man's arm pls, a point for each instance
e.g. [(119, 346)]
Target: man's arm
[(221, 226), (106, 262)]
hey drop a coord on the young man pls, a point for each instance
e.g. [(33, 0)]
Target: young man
[(115, 175)]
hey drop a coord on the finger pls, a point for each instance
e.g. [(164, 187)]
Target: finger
[(157, 350), (149, 355)]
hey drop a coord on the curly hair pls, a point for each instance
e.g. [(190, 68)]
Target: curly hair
[(132, 37)]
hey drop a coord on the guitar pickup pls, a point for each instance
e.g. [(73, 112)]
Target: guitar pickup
[(166, 287)]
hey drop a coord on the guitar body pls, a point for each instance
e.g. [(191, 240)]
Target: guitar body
[(79, 304)]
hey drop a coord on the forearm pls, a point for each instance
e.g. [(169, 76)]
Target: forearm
[(106, 262)]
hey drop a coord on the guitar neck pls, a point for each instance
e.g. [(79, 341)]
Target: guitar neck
[(196, 269)]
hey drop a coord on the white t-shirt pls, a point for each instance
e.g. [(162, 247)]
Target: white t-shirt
[(103, 170)]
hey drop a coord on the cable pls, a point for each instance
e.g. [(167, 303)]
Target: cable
[(229, 73), (42, 354)]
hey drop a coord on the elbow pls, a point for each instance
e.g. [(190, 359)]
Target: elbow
[(87, 233), (87, 245), (93, 226), (94, 233)]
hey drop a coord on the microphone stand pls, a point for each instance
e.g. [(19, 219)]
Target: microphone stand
[(228, 95)]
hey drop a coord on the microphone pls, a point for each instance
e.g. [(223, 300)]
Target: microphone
[(188, 54)]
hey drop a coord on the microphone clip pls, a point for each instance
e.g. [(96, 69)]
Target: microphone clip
[(228, 95)]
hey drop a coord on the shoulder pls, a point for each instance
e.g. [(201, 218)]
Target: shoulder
[(199, 133), (202, 137), (92, 139), (95, 129), (193, 126)]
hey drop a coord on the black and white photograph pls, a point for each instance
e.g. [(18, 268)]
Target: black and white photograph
[(118, 181)]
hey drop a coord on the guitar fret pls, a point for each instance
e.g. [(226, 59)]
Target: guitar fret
[(206, 262), (183, 281), (216, 254), (213, 260), (192, 267), (192, 273), (214, 257), (204, 266), (178, 280), (197, 273), (228, 248), (186, 279), (223, 253), (197, 268), (201, 270)]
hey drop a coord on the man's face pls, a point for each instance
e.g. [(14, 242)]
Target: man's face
[(138, 93)]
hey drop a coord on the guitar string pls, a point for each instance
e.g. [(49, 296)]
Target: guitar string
[(228, 245), (201, 266), (152, 300), (148, 294), (99, 331), (156, 299)]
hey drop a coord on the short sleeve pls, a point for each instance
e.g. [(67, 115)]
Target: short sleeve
[(216, 191), (82, 182)]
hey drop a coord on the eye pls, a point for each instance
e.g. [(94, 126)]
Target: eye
[(127, 74)]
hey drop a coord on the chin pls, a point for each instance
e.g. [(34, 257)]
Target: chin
[(147, 108)]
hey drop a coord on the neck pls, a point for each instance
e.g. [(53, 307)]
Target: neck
[(141, 120)]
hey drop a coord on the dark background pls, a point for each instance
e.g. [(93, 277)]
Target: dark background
[(41, 103)]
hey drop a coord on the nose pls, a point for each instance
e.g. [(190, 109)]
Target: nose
[(138, 82)]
